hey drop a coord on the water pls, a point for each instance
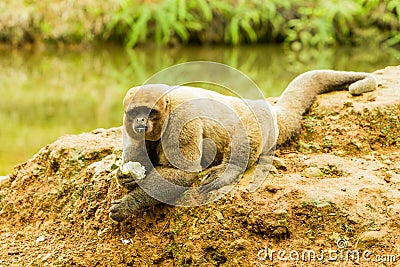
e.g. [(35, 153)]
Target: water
[(46, 94)]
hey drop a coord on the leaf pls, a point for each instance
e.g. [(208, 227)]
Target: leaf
[(205, 9), (138, 30), (181, 9), (249, 30), (395, 40), (181, 31), (193, 25), (234, 31), (163, 21)]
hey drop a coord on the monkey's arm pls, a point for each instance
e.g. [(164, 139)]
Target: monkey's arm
[(219, 176), (162, 184), (301, 92), (232, 167), (229, 173), (134, 150)]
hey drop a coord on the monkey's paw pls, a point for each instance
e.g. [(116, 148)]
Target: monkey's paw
[(126, 180), (210, 180), (212, 174), (218, 177), (119, 211)]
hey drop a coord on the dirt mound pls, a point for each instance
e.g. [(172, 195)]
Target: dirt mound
[(333, 201)]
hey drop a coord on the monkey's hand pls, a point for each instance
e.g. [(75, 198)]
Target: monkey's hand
[(129, 204), (220, 176), (126, 180), (212, 174), (128, 172), (120, 210)]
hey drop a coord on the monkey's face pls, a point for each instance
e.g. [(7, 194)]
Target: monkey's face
[(146, 122), (146, 111)]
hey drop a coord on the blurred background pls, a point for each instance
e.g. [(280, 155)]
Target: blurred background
[(65, 65)]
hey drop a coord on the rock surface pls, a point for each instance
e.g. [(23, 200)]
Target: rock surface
[(54, 208)]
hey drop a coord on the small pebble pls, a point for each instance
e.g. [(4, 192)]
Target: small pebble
[(312, 172), (371, 238), (219, 215), (39, 239), (388, 162)]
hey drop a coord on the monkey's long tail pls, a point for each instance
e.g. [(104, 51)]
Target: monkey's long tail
[(302, 91)]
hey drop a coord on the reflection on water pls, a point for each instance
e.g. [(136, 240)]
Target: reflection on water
[(48, 94)]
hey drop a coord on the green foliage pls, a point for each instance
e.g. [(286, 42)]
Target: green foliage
[(243, 18), (247, 17), (139, 21), (299, 24)]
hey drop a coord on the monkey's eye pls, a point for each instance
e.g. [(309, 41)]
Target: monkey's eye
[(138, 111)]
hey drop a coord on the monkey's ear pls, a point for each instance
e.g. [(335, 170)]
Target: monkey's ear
[(129, 96)]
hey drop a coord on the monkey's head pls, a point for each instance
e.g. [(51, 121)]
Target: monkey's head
[(146, 110)]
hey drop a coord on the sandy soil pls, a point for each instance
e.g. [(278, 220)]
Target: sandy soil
[(336, 194)]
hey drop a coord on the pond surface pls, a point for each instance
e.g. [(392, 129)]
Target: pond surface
[(46, 94)]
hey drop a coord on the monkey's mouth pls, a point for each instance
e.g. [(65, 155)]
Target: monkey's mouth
[(141, 129)]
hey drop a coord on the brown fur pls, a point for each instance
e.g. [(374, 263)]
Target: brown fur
[(180, 118)]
